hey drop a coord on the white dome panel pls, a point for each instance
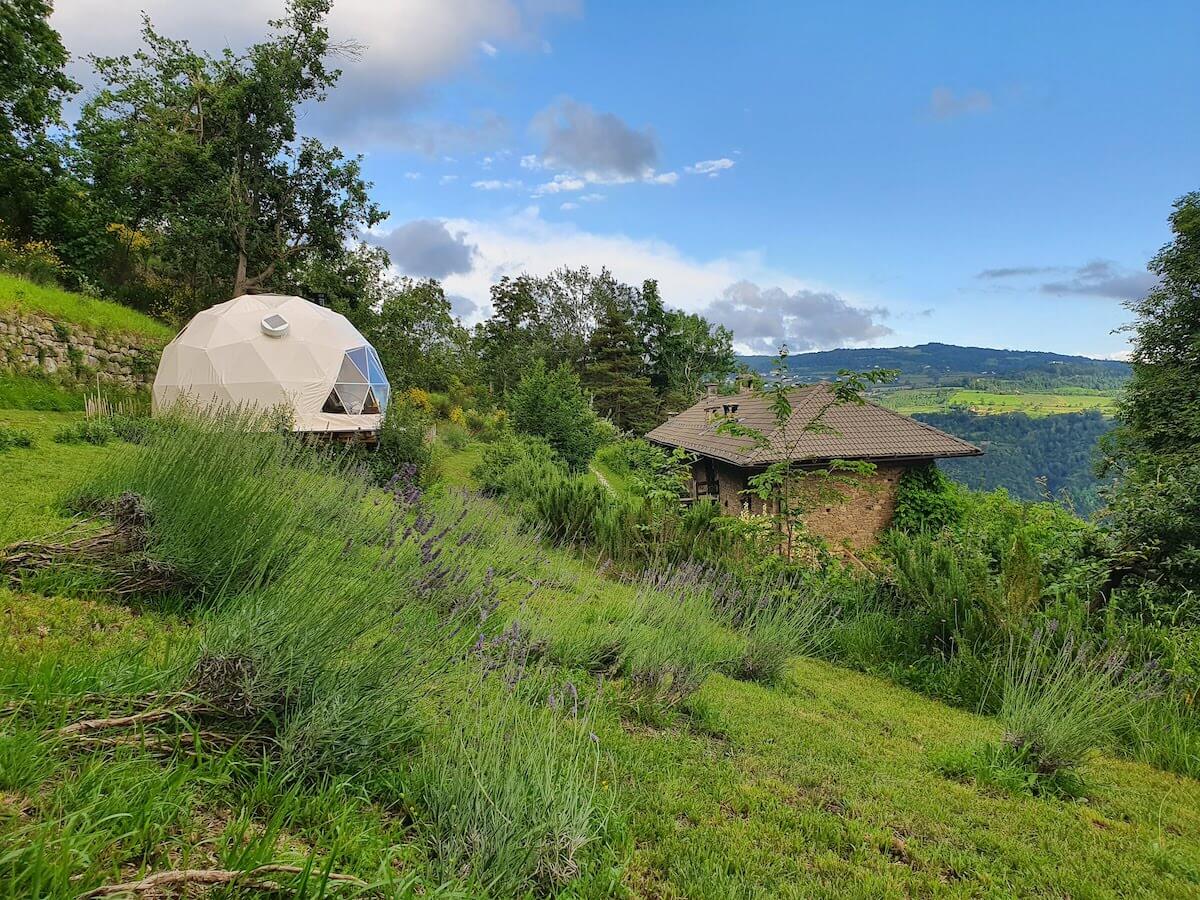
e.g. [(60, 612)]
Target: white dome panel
[(223, 357)]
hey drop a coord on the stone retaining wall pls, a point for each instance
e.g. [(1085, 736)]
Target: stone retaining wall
[(39, 345)]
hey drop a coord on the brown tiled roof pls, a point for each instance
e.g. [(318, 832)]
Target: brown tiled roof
[(846, 431)]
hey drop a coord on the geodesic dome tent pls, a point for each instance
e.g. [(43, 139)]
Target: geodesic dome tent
[(268, 350)]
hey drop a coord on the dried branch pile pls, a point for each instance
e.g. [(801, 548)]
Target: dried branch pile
[(112, 542)]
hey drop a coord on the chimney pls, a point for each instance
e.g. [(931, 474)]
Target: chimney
[(710, 389)]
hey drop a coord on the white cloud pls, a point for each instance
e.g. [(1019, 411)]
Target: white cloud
[(764, 318), (530, 161), (567, 182), (526, 242), (590, 198), (447, 179), (569, 206), (413, 176), (560, 184), (495, 184), (710, 167), (408, 47)]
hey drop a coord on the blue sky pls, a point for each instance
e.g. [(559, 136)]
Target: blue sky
[(833, 174)]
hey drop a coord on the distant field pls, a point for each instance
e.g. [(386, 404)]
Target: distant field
[(990, 403)]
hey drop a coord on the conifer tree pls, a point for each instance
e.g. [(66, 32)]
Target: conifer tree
[(614, 372)]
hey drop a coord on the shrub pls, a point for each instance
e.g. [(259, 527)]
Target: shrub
[(326, 657), (231, 503), (926, 500), (1060, 704), (516, 464), (418, 398), (455, 436), (780, 627), (35, 260), (671, 641), (14, 437), (132, 429), (946, 590), (403, 439), (551, 404), (510, 796), (439, 404), (86, 431), (1156, 524)]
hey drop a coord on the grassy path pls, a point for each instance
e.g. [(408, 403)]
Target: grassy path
[(600, 477)]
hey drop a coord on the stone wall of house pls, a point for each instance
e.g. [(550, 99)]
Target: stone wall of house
[(36, 344), (864, 514), (857, 520)]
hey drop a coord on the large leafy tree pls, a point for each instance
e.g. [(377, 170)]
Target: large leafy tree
[(1154, 508), (1160, 413), (685, 350), (549, 318), (419, 340), (33, 86), (615, 372), (411, 323), (201, 154)]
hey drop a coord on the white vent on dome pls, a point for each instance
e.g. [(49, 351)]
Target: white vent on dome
[(275, 325)]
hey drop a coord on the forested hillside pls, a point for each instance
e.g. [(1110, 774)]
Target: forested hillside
[(951, 365), (1030, 457)]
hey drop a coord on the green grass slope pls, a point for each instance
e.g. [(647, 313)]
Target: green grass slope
[(22, 296), (823, 786)]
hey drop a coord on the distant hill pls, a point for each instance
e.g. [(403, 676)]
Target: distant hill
[(951, 365), (1031, 457)]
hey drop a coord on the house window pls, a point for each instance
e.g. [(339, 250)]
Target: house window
[(730, 408)]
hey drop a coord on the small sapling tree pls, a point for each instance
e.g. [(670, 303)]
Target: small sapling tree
[(787, 490)]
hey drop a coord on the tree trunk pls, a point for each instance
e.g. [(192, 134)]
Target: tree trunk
[(239, 280)]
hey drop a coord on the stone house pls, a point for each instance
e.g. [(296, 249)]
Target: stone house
[(867, 432)]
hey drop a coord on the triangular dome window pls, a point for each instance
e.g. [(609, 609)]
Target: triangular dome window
[(333, 404), (361, 388)]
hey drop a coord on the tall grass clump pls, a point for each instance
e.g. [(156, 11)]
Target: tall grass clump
[(509, 793), (86, 431), (231, 501), (780, 626), (1058, 705), (326, 662), (14, 437), (672, 641)]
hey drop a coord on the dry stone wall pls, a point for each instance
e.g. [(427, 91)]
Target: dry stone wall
[(36, 344), (858, 519)]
